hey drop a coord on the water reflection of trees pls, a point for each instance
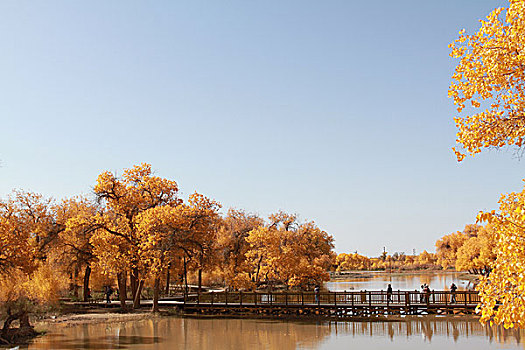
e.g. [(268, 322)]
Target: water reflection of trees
[(184, 333), (454, 328), (180, 333)]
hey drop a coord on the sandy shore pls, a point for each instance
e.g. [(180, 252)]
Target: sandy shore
[(94, 317)]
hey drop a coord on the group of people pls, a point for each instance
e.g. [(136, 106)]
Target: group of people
[(108, 291), (424, 296)]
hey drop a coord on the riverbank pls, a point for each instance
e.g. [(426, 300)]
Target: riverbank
[(350, 274), (96, 314)]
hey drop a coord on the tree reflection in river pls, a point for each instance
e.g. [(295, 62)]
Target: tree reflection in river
[(377, 280), (188, 333)]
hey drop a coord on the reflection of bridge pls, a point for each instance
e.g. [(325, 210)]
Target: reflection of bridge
[(453, 327), (333, 304)]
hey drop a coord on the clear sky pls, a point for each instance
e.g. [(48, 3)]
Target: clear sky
[(334, 110)]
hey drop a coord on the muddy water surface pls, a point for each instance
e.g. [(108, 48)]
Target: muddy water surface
[(186, 333)]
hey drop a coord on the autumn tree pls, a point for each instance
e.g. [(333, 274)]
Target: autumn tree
[(168, 233), (116, 242), (477, 253), (232, 246), (27, 278), (425, 259), (74, 244), (35, 214), (447, 248), (352, 261), (162, 235), (506, 283), (288, 252), (203, 223), (490, 75), (17, 245), (491, 78)]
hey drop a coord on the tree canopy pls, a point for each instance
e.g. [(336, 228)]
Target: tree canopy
[(490, 77)]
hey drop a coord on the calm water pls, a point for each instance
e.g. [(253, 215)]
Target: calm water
[(427, 332), (179, 333), (380, 280)]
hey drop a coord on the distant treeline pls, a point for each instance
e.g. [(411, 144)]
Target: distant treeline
[(472, 250)]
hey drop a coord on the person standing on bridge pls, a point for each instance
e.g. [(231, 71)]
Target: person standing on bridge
[(316, 292), (389, 294), (427, 293), (453, 289)]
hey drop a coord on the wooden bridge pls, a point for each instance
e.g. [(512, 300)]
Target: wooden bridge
[(332, 304)]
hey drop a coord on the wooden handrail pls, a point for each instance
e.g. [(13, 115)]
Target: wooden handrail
[(335, 298)]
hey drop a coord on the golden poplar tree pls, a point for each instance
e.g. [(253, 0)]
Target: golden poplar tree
[(167, 233), (232, 247), (116, 242), (289, 252), (74, 244), (490, 77), (506, 283), (28, 279)]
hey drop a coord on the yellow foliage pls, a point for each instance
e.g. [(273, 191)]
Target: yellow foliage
[(478, 252), (42, 287), (290, 253), (491, 76), (447, 248), (167, 232), (116, 241), (506, 283), (426, 258), (345, 262), (232, 247)]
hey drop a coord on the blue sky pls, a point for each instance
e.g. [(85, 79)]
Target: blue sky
[(334, 110)]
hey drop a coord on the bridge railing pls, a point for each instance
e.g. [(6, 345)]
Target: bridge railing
[(336, 298)]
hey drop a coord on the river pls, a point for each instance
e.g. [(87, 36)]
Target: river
[(425, 332), (378, 280), (189, 333)]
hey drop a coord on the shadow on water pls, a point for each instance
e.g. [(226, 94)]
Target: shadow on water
[(105, 342)]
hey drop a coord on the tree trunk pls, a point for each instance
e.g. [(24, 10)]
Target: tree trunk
[(134, 281), (136, 299), (168, 280), (156, 287), (200, 282), (257, 271), (24, 320), (87, 274), (185, 277), (121, 279), (75, 286)]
